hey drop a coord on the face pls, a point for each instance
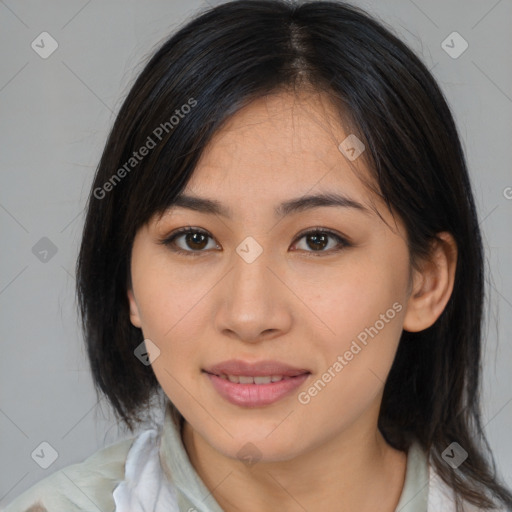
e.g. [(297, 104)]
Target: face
[(315, 293)]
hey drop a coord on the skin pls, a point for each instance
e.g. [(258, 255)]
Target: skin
[(291, 304)]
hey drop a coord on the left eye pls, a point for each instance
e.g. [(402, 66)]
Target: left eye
[(318, 240)]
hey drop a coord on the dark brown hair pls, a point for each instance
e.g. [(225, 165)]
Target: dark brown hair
[(219, 62)]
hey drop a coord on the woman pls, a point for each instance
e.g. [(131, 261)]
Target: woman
[(281, 244)]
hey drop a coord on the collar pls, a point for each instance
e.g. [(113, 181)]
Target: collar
[(190, 490), (415, 492)]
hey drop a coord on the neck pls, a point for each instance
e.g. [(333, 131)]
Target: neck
[(354, 471)]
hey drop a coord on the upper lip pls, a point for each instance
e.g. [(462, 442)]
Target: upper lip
[(256, 369)]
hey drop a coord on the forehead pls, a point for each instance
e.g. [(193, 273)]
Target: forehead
[(283, 142)]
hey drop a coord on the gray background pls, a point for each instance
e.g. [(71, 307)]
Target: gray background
[(55, 116)]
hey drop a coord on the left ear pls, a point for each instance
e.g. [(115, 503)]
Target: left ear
[(432, 285)]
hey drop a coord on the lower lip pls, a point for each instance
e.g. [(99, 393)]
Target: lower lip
[(255, 395)]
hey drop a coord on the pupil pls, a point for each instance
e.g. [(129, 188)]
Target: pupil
[(315, 238), (192, 239)]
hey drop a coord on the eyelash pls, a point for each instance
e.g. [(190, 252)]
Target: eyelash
[(169, 240)]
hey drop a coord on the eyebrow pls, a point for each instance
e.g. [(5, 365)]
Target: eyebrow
[(212, 206)]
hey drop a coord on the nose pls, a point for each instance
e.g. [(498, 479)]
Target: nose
[(254, 304)]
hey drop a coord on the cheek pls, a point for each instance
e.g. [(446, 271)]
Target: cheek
[(353, 372), (362, 308), (166, 298), (170, 311), (171, 320), (352, 296), (174, 326)]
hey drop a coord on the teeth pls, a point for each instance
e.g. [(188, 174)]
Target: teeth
[(242, 379), (262, 380)]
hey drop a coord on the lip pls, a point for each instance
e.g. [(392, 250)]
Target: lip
[(256, 369), (255, 395)]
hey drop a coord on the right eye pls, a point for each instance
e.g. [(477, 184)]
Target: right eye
[(193, 241)]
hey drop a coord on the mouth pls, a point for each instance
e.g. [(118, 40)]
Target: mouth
[(247, 379), (255, 384)]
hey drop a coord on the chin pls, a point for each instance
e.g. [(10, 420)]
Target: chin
[(251, 449)]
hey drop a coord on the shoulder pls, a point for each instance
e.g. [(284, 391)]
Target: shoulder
[(87, 485)]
